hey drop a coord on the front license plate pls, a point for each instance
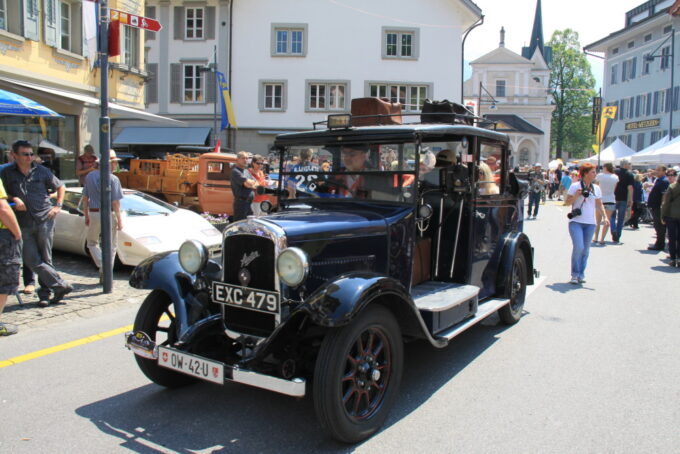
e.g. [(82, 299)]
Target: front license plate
[(249, 298), (191, 365)]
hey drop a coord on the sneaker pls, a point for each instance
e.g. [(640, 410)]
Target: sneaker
[(60, 293), (574, 280), (43, 302), (655, 248), (7, 330), (581, 280)]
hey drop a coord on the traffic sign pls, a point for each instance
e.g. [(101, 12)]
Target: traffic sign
[(133, 20)]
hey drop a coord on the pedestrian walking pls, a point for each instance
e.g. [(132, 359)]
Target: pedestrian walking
[(638, 203), (10, 257), (623, 193), (654, 203), (607, 182), (585, 198), (242, 185), (536, 186), (28, 186), (670, 216), (565, 183), (85, 163), (92, 208)]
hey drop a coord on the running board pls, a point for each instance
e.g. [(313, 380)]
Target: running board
[(483, 311)]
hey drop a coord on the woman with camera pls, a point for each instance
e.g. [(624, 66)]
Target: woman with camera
[(585, 198)]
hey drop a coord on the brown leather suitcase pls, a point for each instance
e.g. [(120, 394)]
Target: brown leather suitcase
[(421, 261), (375, 111)]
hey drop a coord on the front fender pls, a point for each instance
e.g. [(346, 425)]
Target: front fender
[(337, 302), (514, 242), (163, 272)]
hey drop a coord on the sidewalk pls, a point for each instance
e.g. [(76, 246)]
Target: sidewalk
[(86, 299)]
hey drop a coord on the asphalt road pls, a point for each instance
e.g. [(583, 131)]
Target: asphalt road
[(587, 369)]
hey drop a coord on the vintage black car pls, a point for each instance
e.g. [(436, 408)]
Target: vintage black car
[(408, 232)]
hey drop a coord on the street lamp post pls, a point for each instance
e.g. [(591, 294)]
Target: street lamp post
[(651, 57)]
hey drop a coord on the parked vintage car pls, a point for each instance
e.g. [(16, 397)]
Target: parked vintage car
[(150, 226), (377, 251)]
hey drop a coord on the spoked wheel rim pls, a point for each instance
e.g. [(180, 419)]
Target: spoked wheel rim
[(518, 286), (367, 373), (164, 333)]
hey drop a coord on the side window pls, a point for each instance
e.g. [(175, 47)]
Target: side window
[(218, 171), (489, 169)]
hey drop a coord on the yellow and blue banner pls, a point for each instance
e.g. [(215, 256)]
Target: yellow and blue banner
[(228, 117), (606, 122)]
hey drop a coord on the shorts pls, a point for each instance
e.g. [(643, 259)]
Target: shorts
[(609, 205), (10, 262)]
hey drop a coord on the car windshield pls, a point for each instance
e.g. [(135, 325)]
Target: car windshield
[(384, 172), (138, 204)]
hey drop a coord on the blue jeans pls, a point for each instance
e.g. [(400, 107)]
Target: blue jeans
[(535, 200), (581, 236), (618, 216)]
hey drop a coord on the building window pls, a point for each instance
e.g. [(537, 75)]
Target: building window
[(193, 83), (327, 95), (631, 44), (272, 95), (628, 69), (645, 64), (648, 37), (665, 59), (631, 107), (400, 43), (667, 29), (640, 141), (65, 26), (3, 15), (614, 76), (615, 50), (130, 49), (193, 25), (289, 40), (411, 97), (500, 88)]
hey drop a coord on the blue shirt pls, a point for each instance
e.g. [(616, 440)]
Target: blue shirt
[(655, 196), (566, 181), (33, 189), (92, 189)]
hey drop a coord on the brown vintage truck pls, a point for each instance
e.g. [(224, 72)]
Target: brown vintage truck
[(201, 184)]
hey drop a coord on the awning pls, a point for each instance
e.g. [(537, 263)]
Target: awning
[(117, 111), (161, 136), (512, 123)]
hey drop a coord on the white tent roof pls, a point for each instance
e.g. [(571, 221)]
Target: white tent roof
[(648, 156), (670, 154), (613, 153)]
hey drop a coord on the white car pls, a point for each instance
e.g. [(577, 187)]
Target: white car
[(150, 226)]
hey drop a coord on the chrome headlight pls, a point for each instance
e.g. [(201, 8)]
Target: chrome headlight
[(292, 266), (192, 256)]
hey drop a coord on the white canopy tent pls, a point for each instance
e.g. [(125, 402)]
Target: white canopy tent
[(613, 153), (670, 154), (650, 155)]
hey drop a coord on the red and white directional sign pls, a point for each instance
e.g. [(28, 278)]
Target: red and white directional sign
[(133, 20)]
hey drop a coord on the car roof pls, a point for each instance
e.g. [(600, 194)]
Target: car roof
[(427, 132)]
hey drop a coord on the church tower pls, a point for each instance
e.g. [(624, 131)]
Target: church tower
[(536, 42)]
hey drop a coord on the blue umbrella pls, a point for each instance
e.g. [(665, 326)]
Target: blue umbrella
[(13, 104)]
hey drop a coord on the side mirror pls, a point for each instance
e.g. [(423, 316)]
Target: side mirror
[(518, 187)]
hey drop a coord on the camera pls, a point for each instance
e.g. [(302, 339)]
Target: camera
[(585, 193), (574, 213)]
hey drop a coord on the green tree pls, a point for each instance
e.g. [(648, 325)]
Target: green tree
[(572, 88)]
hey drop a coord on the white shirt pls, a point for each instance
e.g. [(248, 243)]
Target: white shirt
[(587, 205), (607, 182)]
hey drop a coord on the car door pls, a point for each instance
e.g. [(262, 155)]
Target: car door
[(69, 226)]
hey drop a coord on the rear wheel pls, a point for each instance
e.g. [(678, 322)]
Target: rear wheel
[(511, 313), (357, 375), (157, 320)]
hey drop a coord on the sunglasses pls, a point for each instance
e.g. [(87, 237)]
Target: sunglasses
[(26, 154)]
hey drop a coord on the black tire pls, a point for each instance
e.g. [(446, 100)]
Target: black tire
[(511, 313), (357, 380), (149, 320)]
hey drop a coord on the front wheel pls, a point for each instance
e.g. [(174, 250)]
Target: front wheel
[(357, 375), (511, 313), (156, 319)]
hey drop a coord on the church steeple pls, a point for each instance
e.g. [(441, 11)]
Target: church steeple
[(537, 38)]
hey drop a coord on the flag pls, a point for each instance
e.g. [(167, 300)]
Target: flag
[(228, 117), (114, 38), (218, 146), (90, 32), (606, 121)]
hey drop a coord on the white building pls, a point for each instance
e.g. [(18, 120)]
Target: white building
[(295, 62), (513, 90)]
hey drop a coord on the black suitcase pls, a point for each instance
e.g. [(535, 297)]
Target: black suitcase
[(445, 112)]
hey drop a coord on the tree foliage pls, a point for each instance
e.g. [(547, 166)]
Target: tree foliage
[(572, 88)]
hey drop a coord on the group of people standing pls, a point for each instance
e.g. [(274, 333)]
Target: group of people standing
[(27, 217)]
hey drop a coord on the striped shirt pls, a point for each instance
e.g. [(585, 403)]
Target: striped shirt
[(92, 189)]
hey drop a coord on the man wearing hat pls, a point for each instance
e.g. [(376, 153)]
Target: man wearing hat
[(536, 185), (91, 206)]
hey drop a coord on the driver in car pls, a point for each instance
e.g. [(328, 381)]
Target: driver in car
[(355, 159)]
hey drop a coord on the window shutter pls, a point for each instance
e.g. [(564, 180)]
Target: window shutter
[(179, 22), (624, 71), (49, 8), (152, 84), (175, 82), (210, 85), (633, 64), (150, 11), (31, 20), (668, 100), (210, 22)]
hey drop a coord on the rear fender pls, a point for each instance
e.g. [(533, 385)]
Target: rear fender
[(514, 242), (163, 272)]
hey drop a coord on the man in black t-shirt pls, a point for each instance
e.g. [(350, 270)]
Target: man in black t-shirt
[(624, 198), (242, 185)]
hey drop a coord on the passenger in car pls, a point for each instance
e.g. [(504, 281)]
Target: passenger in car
[(487, 183)]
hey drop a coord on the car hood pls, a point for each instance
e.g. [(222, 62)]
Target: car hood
[(310, 224), (172, 230)]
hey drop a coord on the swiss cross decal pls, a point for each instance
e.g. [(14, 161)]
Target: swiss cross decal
[(215, 372), (165, 356)]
